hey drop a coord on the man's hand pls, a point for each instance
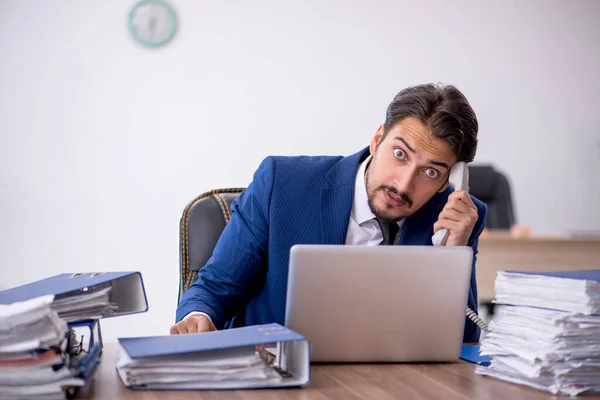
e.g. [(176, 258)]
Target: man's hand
[(193, 324), (459, 217)]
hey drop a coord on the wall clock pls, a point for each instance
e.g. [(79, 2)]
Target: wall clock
[(152, 23)]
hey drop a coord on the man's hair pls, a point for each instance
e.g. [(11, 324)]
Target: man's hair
[(444, 109)]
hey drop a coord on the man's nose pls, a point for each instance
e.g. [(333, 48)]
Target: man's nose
[(405, 181)]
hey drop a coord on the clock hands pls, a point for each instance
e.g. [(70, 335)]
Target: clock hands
[(152, 22)]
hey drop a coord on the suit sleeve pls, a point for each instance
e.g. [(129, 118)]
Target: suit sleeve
[(237, 268), (472, 331)]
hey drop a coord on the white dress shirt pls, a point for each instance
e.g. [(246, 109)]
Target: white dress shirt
[(363, 229)]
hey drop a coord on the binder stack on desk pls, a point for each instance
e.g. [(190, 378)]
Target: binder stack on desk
[(546, 331), (33, 343), (50, 341), (86, 296), (260, 356)]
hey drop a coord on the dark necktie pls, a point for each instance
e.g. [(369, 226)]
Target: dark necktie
[(389, 231)]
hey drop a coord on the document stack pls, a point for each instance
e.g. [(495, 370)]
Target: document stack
[(50, 341), (259, 356), (86, 296), (34, 352), (546, 331), (89, 304)]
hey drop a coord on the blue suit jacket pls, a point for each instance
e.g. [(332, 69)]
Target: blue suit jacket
[(293, 200)]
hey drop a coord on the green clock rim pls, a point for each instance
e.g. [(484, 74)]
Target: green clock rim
[(150, 43)]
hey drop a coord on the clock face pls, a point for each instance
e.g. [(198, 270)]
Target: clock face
[(153, 23)]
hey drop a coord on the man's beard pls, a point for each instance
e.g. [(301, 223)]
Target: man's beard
[(382, 215)]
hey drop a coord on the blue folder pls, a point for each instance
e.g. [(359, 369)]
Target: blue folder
[(587, 275), (471, 353), (126, 292), (290, 355), (84, 359), (127, 289)]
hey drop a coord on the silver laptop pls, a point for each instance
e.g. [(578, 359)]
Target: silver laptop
[(379, 303)]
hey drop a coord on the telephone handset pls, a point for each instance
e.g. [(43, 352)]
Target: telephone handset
[(459, 179)]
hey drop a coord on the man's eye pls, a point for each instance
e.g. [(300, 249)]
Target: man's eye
[(432, 173), (400, 154)]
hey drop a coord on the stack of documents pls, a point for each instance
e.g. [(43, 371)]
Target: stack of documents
[(50, 339), (546, 331), (33, 351), (228, 359), (218, 369), (89, 304), (86, 296)]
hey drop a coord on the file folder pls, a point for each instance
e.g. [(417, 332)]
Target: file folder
[(85, 356), (127, 291), (56, 369), (592, 275), (200, 361), (471, 353)]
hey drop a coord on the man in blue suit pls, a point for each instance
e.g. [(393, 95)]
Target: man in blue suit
[(393, 192)]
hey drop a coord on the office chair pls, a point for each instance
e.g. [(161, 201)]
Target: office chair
[(201, 225), (493, 188)]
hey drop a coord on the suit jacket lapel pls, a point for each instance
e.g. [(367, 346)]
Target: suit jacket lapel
[(337, 196), (335, 214)]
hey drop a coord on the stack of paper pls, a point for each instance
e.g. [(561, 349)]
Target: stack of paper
[(50, 338), (546, 333), (85, 296), (227, 359), (86, 304), (220, 369), (33, 351)]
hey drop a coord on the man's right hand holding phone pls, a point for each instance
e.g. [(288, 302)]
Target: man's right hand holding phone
[(194, 323)]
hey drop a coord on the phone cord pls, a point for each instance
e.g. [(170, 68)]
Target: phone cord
[(478, 321)]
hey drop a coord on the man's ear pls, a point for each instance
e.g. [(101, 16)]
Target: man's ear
[(376, 139)]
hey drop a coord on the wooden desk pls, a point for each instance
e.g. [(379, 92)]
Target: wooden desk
[(499, 251), (366, 381)]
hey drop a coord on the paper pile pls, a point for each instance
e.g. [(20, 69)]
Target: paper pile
[(33, 351), (217, 369), (86, 296), (546, 333), (86, 304), (257, 356)]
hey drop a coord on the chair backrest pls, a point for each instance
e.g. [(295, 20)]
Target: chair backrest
[(201, 225), (493, 188)]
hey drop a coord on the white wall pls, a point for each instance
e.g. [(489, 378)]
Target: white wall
[(103, 142)]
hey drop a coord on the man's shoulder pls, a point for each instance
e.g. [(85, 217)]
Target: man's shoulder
[(305, 162), (299, 168), (306, 172)]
